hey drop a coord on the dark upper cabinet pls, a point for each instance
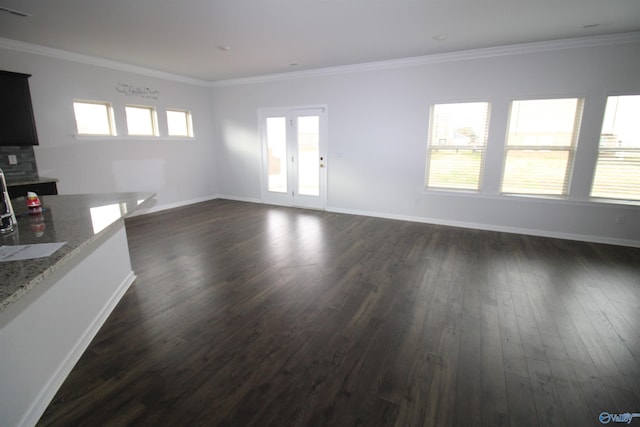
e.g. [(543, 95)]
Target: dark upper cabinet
[(17, 125)]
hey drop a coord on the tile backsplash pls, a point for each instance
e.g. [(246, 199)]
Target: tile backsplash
[(26, 167)]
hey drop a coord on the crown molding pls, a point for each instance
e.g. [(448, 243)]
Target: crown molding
[(465, 55), (95, 61)]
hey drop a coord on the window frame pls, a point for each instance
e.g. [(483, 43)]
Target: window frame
[(431, 148), (153, 116), (109, 116), (570, 149), (188, 121), (611, 150)]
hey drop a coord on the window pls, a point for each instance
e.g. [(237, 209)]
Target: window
[(540, 146), (179, 123), (141, 120), (457, 142), (617, 174), (94, 118)]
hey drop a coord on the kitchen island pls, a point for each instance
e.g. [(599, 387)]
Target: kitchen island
[(51, 307)]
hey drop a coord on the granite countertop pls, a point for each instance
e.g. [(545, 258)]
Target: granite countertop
[(78, 219), (26, 181)]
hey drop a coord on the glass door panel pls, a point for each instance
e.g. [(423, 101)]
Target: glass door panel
[(294, 171), (309, 155), (276, 130)]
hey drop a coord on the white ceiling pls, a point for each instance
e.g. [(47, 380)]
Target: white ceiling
[(266, 36)]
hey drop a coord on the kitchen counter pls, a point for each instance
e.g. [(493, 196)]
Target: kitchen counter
[(78, 219), (51, 308)]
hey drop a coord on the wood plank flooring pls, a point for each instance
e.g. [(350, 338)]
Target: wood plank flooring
[(255, 315)]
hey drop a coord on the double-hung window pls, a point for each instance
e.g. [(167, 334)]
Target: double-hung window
[(456, 146), (541, 142), (617, 174)]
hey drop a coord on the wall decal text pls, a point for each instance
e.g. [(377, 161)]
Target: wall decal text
[(142, 92)]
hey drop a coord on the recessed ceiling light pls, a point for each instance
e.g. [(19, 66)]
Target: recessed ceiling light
[(224, 48)]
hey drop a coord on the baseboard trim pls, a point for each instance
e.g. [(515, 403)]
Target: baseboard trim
[(168, 206), (492, 227), (240, 199), (426, 220), (50, 389)]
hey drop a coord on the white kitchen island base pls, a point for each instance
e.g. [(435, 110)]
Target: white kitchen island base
[(44, 333), (43, 342)]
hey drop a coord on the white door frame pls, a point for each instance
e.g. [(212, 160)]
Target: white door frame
[(290, 198)]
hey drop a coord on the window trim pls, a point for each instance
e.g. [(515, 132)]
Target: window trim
[(189, 122), (600, 150), (110, 118), (570, 149), (431, 148), (154, 121)]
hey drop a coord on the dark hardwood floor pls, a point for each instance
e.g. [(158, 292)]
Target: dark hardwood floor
[(248, 314)]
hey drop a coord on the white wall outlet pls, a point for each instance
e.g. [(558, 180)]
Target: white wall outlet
[(13, 159)]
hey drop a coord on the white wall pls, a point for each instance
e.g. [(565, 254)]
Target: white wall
[(178, 170), (378, 124)]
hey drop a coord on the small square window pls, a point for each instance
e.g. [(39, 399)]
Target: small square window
[(141, 120), (94, 118), (179, 123)]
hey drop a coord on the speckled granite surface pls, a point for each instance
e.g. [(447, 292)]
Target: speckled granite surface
[(78, 219)]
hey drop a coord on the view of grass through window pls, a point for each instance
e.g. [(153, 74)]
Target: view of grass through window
[(457, 141), (617, 173), (541, 140)]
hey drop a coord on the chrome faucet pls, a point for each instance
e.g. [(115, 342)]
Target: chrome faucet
[(7, 216)]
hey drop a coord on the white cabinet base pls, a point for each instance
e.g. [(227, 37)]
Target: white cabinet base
[(43, 335)]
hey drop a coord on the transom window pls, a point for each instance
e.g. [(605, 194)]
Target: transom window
[(617, 174), (541, 141), (141, 120), (179, 123), (94, 118), (456, 147)]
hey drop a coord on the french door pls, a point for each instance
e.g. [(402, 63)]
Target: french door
[(294, 167)]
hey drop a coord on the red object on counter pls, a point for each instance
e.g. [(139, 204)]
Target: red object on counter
[(32, 200)]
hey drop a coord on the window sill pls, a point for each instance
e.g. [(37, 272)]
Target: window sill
[(602, 200), (131, 138), (592, 201)]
